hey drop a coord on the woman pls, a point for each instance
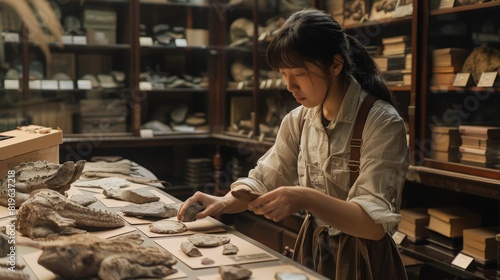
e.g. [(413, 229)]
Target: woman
[(346, 231)]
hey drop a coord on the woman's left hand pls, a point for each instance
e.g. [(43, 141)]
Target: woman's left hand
[(279, 203)]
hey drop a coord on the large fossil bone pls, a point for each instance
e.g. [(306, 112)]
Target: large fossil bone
[(35, 175), (48, 213), (85, 255)]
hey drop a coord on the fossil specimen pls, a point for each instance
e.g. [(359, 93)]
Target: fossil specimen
[(48, 213), (135, 196), (229, 249), (31, 176), (234, 272), (103, 183), (85, 255), (190, 250), (167, 226), (193, 209), (245, 195), (6, 274), (151, 209), (83, 199), (207, 261), (208, 240)]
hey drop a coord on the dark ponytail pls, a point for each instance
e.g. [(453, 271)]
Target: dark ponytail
[(314, 36)]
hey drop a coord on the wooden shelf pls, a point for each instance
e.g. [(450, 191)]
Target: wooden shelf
[(466, 8), (386, 21)]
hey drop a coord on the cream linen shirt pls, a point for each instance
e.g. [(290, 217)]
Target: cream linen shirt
[(306, 154)]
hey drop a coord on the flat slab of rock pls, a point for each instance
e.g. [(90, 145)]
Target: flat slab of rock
[(208, 240), (190, 250), (167, 227), (245, 195), (230, 249), (234, 272), (83, 199), (103, 183), (135, 196), (155, 209)]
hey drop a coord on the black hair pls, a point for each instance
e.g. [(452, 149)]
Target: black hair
[(311, 35)]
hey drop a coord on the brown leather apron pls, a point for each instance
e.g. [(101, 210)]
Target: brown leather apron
[(345, 257)]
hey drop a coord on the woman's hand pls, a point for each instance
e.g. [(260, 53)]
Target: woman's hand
[(279, 203), (214, 205)]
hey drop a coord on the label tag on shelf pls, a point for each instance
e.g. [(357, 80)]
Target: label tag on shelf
[(462, 80), (462, 261), (50, 85), (145, 86), (67, 39), (35, 84), (446, 4), (79, 40), (145, 41), (146, 133), (487, 79), (66, 85), (398, 237), (11, 37), (180, 42), (84, 84), (11, 84)]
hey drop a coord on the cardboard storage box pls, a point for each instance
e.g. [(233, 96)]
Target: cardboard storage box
[(18, 146)]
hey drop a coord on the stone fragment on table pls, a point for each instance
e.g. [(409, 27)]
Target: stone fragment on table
[(156, 209), (167, 227), (190, 250), (208, 240), (234, 272), (136, 196), (230, 249)]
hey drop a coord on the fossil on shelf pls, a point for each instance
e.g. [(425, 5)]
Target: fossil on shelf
[(48, 213), (85, 256), (35, 175)]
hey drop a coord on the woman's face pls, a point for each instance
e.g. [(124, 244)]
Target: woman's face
[(308, 85)]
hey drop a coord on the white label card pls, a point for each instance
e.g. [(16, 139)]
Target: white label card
[(67, 39), (145, 41), (487, 79), (11, 84), (79, 40), (50, 84), (35, 84), (462, 80), (145, 86), (398, 237), (146, 133), (180, 42), (66, 85), (446, 4), (462, 261), (84, 84)]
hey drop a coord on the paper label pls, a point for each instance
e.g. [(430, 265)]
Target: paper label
[(79, 40), (487, 79), (66, 85), (461, 79), (146, 41), (398, 237), (11, 84), (84, 84), (462, 261)]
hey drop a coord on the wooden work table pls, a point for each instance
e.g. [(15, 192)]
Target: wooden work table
[(273, 263)]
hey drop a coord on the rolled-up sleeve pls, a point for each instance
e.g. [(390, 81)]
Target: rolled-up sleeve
[(278, 166), (384, 163)]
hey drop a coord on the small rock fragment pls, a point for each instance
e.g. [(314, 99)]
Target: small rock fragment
[(207, 261), (135, 196), (190, 250), (229, 249), (83, 199), (234, 272)]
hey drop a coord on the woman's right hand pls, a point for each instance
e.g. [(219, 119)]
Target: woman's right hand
[(214, 205)]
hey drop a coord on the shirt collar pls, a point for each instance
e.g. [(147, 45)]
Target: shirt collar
[(348, 109)]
